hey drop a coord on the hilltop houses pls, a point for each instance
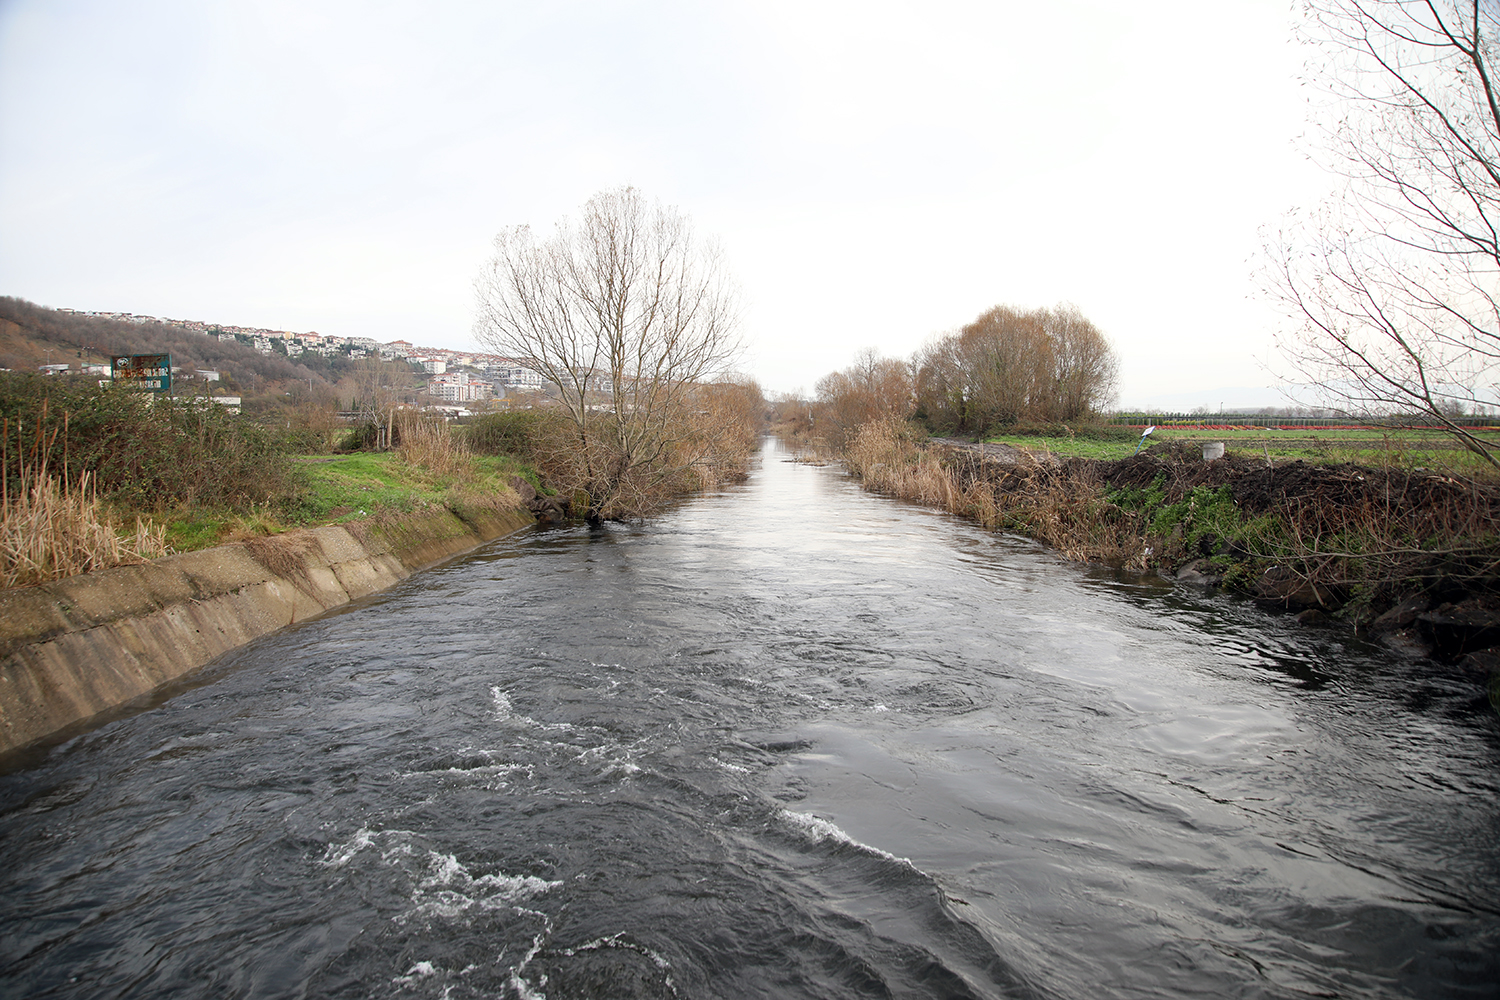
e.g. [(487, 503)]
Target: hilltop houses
[(456, 377)]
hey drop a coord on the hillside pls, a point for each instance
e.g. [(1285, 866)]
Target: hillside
[(33, 335)]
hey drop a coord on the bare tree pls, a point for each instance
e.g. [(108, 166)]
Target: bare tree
[(625, 312), (1010, 358), (872, 388), (1393, 281)]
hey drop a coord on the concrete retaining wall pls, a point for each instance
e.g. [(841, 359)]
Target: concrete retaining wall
[(74, 648)]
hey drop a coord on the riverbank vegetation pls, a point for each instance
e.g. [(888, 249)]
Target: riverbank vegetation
[(1394, 530), (1392, 447), (93, 476), (631, 316), (96, 475), (1359, 542)]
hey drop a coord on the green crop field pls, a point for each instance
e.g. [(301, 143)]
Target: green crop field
[(1408, 448)]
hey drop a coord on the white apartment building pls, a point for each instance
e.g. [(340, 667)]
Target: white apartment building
[(458, 387), (512, 374)]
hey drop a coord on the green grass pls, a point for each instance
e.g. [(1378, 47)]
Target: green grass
[(1199, 521), (195, 530), (1067, 447), (1397, 448), (346, 487), (334, 489)]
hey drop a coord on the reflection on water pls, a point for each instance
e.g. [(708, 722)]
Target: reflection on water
[(791, 740)]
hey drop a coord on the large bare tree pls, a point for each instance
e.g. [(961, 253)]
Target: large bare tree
[(1393, 281), (626, 312)]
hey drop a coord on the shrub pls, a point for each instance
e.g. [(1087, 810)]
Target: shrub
[(517, 432), (143, 452)]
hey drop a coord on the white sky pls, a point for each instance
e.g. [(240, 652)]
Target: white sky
[(877, 172)]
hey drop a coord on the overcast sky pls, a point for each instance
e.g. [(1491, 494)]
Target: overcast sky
[(876, 172)]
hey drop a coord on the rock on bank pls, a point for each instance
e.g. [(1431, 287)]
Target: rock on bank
[(74, 648)]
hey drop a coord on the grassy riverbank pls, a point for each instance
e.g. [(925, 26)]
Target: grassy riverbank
[(336, 489), (1347, 541), (97, 476)]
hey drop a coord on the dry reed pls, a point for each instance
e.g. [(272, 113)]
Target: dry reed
[(1030, 497), (430, 445), (49, 530)]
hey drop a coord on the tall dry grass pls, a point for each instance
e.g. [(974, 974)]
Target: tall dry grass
[(50, 527), (431, 445), (49, 530), (1031, 498)]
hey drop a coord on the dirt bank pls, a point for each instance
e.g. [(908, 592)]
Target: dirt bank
[(74, 648)]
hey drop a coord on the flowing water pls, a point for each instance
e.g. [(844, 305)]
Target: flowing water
[(791, 740)]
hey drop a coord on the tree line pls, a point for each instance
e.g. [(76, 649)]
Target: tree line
[(1009, 366)]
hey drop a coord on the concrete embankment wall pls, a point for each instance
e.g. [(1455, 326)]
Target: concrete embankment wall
[(74, 648)]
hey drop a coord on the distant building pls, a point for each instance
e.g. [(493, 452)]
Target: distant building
[(512, 374), (458, 387)]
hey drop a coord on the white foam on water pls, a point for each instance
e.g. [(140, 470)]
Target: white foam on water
[(443, 887), (524, 989), (818, 830), (491, 769), (421, 970), (506, 712), (613, 941), (338, 855), (396, 843), (879, 708), (522, 911), (734, 768), (503, 709), (448, 890), (445, 868), (515, 887), (492, 777), (621, 767)]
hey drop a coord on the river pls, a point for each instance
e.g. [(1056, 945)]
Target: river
[(790, 740)]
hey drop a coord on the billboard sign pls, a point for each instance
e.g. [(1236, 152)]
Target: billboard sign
[(146, 372)]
